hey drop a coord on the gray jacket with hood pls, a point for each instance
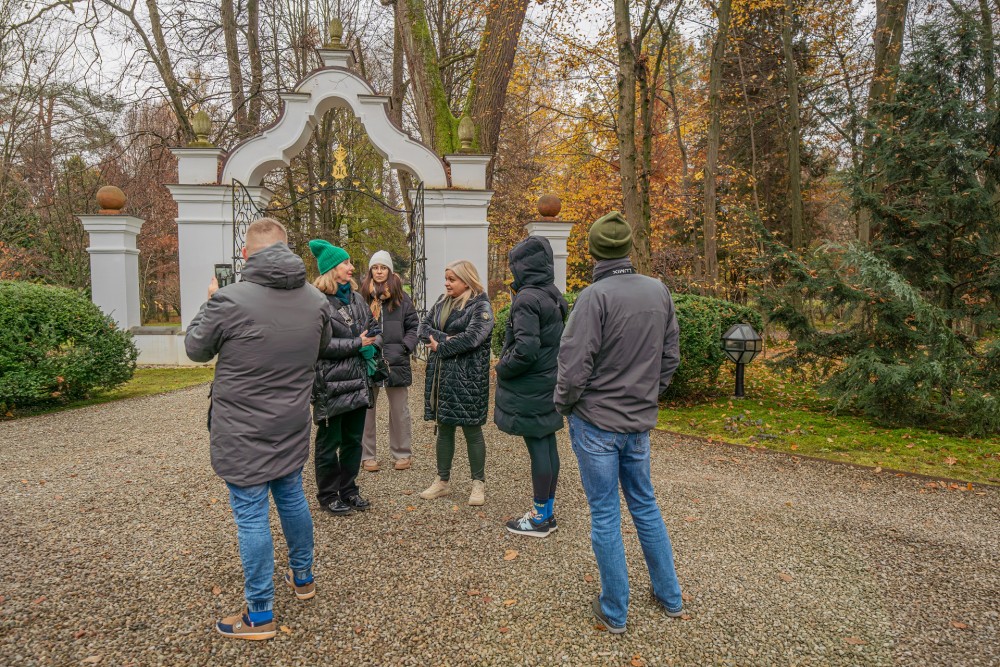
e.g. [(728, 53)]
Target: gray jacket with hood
[(619, 350), (267, 331)]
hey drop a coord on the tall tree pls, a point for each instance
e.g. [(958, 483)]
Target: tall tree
[(722, 13), (794, 132)]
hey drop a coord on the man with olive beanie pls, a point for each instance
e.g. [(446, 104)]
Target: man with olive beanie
[(616, 358)]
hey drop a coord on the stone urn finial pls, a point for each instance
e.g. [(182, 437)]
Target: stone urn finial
[(548, 206), (201, 123), (111, 200), (466, 134), (336, 34)]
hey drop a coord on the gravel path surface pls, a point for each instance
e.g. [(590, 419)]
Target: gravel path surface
[(119, 549)]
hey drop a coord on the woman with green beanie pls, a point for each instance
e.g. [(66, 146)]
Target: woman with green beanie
[(342, 391)]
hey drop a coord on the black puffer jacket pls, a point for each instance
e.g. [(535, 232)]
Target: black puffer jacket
[(399, 339), (342, 382), (529, 361), (457, 387)]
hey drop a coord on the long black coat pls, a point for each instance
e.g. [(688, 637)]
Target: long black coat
[(529, 363), (341, 382), (399, 339), (457, 387)]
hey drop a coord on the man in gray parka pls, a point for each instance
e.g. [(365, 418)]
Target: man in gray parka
[(267, 331), (617, 356)]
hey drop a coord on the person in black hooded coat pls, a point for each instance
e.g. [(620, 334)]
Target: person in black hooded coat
[(526, 375)]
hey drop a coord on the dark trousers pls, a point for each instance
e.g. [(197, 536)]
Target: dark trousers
[(445, 450), (544, 466), (338, 456)]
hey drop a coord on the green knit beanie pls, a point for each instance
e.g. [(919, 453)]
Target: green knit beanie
[(327, 255), (611, 237)]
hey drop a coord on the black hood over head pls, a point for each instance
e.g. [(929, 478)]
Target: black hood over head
[(531, 263), (275, 266)]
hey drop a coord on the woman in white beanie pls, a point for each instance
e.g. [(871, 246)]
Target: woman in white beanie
[(394, 310)]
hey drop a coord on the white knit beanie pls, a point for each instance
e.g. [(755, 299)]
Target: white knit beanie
[(381, 257)]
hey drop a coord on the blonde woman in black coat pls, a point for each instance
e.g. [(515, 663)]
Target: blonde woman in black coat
[(457, 388)]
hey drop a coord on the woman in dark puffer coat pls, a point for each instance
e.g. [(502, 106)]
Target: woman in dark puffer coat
[(457, 388), (398, 321), (342, 391), (526, 375)]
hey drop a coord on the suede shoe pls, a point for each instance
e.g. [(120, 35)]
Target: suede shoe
[(357, 503), (302, 591), (238, 626), (338, 508), (402, 464), (603, 620), (371, 465)]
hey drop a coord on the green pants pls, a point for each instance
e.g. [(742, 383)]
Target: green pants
[(446, 450)]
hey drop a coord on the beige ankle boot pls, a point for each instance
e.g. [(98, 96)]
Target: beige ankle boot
[(438, 489), (478, 495)]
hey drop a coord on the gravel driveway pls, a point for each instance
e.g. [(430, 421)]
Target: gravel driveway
[(119, 549)]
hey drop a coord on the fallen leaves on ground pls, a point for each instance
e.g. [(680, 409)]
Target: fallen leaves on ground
[(39, 600), (958, 625), (79, 633), (287, 630), (504, 630), (92, 659), (854, 641), (637, 661), (589, 578), (216, 590), (510, 554), (510, 602), (784, 576), (473, 591), (950, 460)]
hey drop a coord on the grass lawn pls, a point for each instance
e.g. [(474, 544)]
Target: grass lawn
[(145, 382), (786, 414)]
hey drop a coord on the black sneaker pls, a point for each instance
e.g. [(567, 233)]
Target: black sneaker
[(526, 526), (603, 620), (338, 507), (358, 503)]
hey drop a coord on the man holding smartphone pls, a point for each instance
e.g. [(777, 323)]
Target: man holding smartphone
[(267, 331)]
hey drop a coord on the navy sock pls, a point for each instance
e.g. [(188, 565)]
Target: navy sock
[(550, 507), (302, 582), (260, 617)]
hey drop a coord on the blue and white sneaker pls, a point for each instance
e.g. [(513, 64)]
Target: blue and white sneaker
[(530, 526)]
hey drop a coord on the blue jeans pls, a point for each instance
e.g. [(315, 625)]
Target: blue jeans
[(606, 459), (253, 528)]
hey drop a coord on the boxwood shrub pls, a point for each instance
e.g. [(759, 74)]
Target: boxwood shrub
[(56, 346), (702, 322)]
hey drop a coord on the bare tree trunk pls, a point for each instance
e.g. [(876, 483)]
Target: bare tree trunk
[(712, 152), (396, 113), (794, 132), (256, 66), (890, 21), (491, 72), (989, 53), (237, 98)]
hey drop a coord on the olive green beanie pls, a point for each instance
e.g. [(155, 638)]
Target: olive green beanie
[(611, 237)]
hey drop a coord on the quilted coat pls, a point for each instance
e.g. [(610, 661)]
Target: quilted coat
[(341, 382), (399, 339), (529, 361), (457, 386)]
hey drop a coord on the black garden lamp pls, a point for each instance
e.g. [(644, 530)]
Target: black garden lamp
[(742, 345)]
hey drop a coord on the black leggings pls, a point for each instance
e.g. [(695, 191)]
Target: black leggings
[(544, 466), (475, 443)]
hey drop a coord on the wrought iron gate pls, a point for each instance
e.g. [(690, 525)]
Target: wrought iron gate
[(246, 210)]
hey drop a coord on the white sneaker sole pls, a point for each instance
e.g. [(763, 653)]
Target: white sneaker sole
[(531, 534)]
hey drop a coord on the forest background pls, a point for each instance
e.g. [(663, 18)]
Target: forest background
[(832, 163)]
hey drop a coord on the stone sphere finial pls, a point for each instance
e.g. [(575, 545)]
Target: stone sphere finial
[(466, 134), (548, 206), (111, 200), (336, 34)]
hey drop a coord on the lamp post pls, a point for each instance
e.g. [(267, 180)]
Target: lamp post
[(741, 344)]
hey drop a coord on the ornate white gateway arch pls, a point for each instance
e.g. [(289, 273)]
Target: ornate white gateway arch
[(454, 206)]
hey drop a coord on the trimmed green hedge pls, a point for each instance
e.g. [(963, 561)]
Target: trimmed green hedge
[(702, 322), (56, 346)]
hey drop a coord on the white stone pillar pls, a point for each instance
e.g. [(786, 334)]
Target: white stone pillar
[(114, 266), (455, 227), (557, 232)]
